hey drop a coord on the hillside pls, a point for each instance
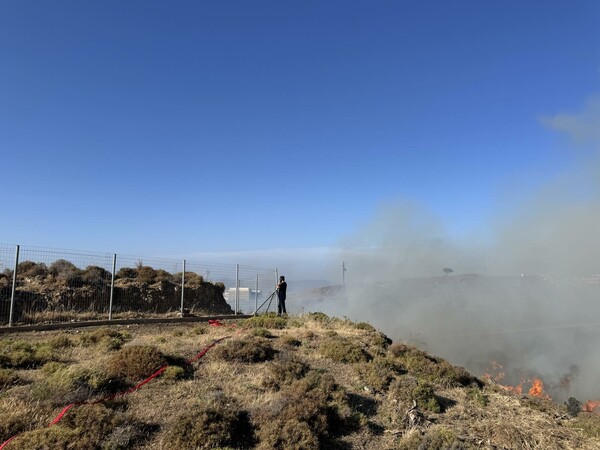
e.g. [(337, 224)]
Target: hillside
[(305, 382)]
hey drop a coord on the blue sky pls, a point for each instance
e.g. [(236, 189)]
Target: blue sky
[(174, 128)]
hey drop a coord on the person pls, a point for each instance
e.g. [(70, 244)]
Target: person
[(281, 294)]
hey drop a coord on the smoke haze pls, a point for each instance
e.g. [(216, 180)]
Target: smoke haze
[(526, 297)]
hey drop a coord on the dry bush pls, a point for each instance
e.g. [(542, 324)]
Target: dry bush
[(107, 338), (589, 423), (344, 350), (213, 426), (126, 272), (66, 271), (18, 415), (62, 384), (145, 274), (17, 353), (406, 389), (28, 269), (379, 373), (433, 439), (248, 350), (291, 434), (95, 275), (83, 428), (269, 320), (364, 326), (163, 275), (290, 341), (315, 400), (284, 371), (135, 362), (433, 369), (8, 377), (262, 332), (173, 373)]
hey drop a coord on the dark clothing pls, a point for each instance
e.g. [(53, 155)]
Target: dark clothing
[(281, 294)]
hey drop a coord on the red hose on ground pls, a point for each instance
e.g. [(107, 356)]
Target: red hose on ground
[(120, 394)]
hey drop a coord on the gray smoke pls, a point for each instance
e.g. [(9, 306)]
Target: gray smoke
[(526, 297)]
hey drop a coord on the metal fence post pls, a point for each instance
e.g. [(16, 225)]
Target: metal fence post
[(237, 287), (182, 286), (256, 294), (112, 286), (14, 288)]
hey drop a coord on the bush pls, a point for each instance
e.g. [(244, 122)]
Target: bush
[(211, 427), (285, 371), (436, 438), (476, 395), (314, 400), (406, 389), (126, 272), (64, 384), (173, 373), (30, 269), (16, 353), (573, 406), (107, 338), (344, 351), (424, 395), (364, 326), (432, 369), (8, 377), (291, 434), (262, 332), (136, 362), (379, 373), (95, 275), (290, 341), (146, 274), (270, 320), (252, 350)]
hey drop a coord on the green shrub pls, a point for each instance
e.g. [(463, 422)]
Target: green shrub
[(250, 350), (173, 373), (135, 362), (262, 332), (63, 384), (211, 427), (573, 406), (270, 320), (107, 338), (433, 369), (17, 353), (284, 371), (344, 351), (476, 395), (379, 373), (424, 395)]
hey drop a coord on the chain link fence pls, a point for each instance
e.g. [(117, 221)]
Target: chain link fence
[(44, 285)]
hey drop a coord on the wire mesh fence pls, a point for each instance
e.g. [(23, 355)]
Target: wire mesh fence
[(53, 285)]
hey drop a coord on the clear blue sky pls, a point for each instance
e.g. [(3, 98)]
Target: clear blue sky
[(160, 128)]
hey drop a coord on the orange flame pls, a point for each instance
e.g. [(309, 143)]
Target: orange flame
[(591, 406), (537, 389)]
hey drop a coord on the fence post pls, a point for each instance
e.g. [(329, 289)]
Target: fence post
[(182, 286), (237, 287), (112, 286), (14, 288), (256, 294)]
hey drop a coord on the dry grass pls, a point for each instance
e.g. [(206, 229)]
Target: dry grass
[(253, 392)]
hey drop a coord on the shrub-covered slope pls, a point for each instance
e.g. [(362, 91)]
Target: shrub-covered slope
[(307, 382)]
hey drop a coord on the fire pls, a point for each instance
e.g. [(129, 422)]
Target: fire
[(591, 406), (537, 389)]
